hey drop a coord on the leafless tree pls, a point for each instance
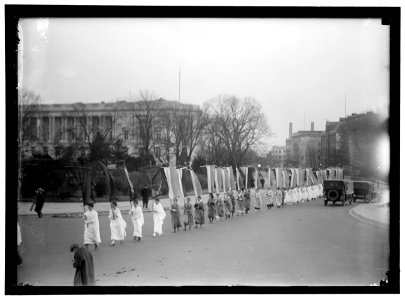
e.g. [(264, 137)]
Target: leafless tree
[(237, 124), (166, 139), (147, 110), (28, 106)]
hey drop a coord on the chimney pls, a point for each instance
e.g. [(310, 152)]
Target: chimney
[(290, 130), (312, 126)]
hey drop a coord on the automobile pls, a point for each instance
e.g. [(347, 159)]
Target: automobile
[(337, 190), (363, 190)]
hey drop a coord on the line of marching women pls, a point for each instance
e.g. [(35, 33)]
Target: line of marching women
[(193, 215)]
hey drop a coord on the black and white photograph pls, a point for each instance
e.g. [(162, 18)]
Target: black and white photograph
[(175, 151)]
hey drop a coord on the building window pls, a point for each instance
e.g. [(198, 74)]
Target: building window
[(45, 150), (126, 134)]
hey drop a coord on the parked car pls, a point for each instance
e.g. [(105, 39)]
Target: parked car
[(363, 190), (337, 190)]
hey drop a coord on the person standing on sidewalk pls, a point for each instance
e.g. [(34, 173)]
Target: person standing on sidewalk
[(211, 208), (39, 201), (188, 214), (83, 263), (175, 213), (144, 194), (199, 212)]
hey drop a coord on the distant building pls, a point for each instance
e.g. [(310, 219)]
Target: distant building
[(352, 143), (303, 148), (278, 156), (57, 128)]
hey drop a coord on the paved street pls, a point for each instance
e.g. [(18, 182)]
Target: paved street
[(308, 244)]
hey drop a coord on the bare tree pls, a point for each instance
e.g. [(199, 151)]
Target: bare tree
[(237, 124), (166, 139), (147, 110), (94, 136)]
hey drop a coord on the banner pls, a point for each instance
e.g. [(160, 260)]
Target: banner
[(180, 172), (218, 180), (210, 178), (238, 178), (224, 180), (256, 178), (173, 181), (196, 183), (131, 187), (246, 174), (231, 178)]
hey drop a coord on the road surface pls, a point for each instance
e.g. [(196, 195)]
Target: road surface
[(306, 244)]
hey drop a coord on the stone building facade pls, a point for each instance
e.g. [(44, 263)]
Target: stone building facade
[(69, 127), (303, 148), (278, 156)]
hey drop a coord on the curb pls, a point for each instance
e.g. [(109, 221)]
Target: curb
[(360, 217)]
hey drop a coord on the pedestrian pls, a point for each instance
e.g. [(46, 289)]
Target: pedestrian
[(262, 181), (247, 200), (211, 207), (144, 193), (278, 198), (269, 199), (117, 224), (188, 214), (227, 206), (220, 206), (39, 201), (199, 212), (158, 216), (240, 209), (258, 200), (83, 262), (175, 213), (91, 226), (136, 214), (233, 202)]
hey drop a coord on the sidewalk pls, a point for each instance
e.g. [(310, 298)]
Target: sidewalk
[(377, 212), (63, 208)]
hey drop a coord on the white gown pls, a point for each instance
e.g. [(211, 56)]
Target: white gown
[(91, 228), (117, 225), (158, 216), (137, 220)]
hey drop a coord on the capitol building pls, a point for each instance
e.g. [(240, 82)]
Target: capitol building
[(55, 128)]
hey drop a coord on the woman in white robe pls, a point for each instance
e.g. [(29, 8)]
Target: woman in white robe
[(91, 226), (158, 216), (117, 224), (137, 219)]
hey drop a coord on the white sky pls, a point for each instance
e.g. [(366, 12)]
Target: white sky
[(296, 68)]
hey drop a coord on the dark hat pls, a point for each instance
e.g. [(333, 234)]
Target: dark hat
[(74, 246)]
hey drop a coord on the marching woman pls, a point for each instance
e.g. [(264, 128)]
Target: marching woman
[(117, 224), (91, 226), (199, 212), (211, 207), (175, 212), (188, 214), (269, 199), (158, 216), (220, 206), (233, 202), (278, 198), (227, 206), (258, 200), (239, 204), (247, 200), (137, 219)]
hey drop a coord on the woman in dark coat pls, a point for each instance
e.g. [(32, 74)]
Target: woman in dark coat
[(83, 262), (220, 206), (39, 202), (175, 212), (233, 202), (247, 200), (199, 212), (211, 208)]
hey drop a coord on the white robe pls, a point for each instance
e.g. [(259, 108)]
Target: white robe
[(117, 225), (137, 220), (158, 216), (91, 228), (19, 240)]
